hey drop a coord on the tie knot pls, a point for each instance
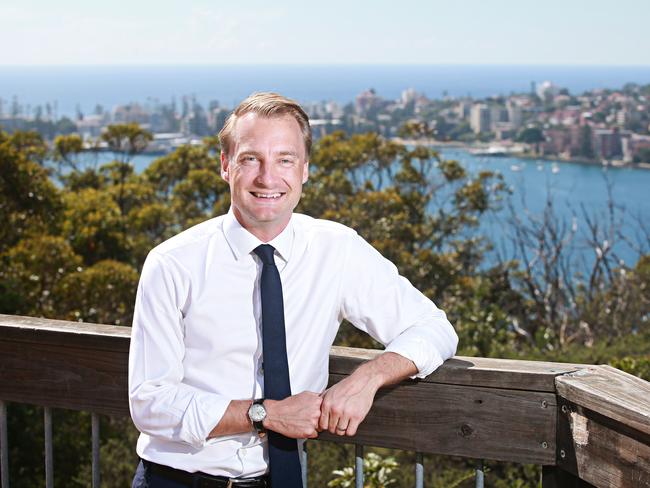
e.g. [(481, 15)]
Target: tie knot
[(265, 253)]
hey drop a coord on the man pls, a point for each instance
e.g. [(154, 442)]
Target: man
[(235, 317)]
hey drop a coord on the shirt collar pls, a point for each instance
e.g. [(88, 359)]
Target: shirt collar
[(242, 242)]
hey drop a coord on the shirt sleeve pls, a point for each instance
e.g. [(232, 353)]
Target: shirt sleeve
[(377, 300), (161, 404)]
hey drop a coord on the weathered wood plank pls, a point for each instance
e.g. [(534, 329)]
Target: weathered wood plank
[(48, 331), (484, 423), (64, 376), (462, 370), (602, 451), (609, 392), (497, 373)]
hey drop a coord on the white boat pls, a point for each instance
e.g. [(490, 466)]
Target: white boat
[(555, 168)]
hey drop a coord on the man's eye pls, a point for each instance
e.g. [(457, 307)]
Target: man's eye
[(286, 162), (248, 159)]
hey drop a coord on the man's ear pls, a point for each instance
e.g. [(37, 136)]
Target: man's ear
[(224, 167), (305, 172)]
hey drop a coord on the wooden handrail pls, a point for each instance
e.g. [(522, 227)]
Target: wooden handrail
[(568, 416)]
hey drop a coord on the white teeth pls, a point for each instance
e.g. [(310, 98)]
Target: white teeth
[(268, 195)]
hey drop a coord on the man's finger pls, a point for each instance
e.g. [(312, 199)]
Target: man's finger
[(334, 420), (323, 422), (341, 426), (352, 427)]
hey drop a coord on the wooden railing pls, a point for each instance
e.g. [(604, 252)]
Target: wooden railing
[(586, 425)]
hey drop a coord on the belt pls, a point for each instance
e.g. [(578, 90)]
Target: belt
[(203, 480)]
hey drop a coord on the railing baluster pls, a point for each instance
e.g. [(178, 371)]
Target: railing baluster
[(479, 474), (49, 458), (4, 447), (358, 466), (94, 424), (303, 464), (419, 470)]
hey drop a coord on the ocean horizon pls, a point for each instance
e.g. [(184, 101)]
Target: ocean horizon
[(83, 87)]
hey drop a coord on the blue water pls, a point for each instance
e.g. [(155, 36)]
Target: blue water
[(575, 190), (87, 86)]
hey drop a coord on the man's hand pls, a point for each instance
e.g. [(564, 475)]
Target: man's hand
[(296, 416), (347, 403)]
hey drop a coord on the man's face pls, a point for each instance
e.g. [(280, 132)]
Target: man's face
[(265, 169)]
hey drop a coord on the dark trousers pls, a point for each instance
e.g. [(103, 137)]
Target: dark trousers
[(144, 478), (150, 475)]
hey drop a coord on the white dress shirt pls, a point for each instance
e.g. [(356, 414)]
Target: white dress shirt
[(196, 341)]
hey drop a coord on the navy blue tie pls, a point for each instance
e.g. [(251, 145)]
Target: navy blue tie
[(283, 451)]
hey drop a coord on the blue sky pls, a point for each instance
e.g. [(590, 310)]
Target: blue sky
[(140, 32)]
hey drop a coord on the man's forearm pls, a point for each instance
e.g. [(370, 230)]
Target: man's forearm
[(234, 421), (386, 369)]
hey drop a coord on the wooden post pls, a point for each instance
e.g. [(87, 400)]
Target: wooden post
[(554, 477)]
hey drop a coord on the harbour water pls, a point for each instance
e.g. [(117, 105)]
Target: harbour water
[(576, 191)]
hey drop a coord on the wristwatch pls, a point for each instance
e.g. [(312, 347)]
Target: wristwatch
[(257, 414)]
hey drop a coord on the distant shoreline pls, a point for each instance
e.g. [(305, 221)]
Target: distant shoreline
[(83, 87), (554, 159)]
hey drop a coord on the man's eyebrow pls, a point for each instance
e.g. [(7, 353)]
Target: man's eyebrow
[(248, 152), (287, 153)]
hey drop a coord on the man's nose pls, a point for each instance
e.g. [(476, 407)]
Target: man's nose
[(265, 175)]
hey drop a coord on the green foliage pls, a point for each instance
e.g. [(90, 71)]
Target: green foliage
[(117, 454), (94, 225), (638, 366), (67, 148), (376, 473), (31, 271), (531, 135), (415, 129), (586, 143), (126, 139), (643, 156), (29, 202), (102, 293)]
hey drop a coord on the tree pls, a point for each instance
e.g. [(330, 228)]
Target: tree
[(29, 201), (643, 156), (531, 135), (102, 293), (126, 140), (66, 150), (415, 129), (31, 270), (93, 223), (586, 143)]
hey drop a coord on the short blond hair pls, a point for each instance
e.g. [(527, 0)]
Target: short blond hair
[(266, 104)]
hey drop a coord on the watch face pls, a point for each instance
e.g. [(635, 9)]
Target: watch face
[(257, 412)]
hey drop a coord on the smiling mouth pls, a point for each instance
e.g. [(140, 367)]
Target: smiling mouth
[(267, 196)]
